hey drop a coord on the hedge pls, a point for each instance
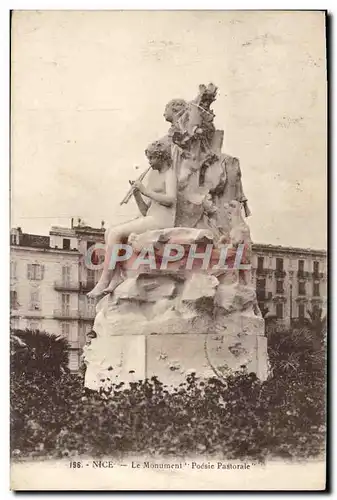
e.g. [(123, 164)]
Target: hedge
[(53, 415)]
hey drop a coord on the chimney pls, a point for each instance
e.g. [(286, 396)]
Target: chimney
[(72, 222), (102, 224)]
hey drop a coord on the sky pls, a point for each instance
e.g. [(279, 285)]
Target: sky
[(89, 90)]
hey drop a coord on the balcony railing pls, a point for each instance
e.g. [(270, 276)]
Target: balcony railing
[(66, 286), (87, 315), (262, 296), (304, 274), (280, 297), (86, 286), (279, 273), (33, 313), (23, 313), (301, 298), (65, 314), (317, 276), (262, 272), (74, 344), (71, 286)]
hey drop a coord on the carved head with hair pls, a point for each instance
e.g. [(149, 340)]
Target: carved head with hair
[(174, 109), (158, 153)]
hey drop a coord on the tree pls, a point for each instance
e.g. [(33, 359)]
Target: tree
[(318, 323), (34, 350)]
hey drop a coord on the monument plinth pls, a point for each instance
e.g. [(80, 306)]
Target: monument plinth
[(183, 299)]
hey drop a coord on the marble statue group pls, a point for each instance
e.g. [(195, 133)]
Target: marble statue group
[(164, 323), (191, 183)]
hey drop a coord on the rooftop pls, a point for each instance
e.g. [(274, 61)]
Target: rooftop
[(34, 240), (40, 241), (264, 247)]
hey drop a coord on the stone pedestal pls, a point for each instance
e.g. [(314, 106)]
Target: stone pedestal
[(168, 323)]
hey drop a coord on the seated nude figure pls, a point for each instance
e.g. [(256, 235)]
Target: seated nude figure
[(158, 214)]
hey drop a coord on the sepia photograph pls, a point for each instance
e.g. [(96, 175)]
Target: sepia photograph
[(168, 250)]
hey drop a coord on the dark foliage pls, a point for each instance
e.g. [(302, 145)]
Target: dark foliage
[(237, 418), (33, 350)]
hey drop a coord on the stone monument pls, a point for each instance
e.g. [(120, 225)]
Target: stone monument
[(182, 298)]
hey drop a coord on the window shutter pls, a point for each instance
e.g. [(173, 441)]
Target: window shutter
[(66, 330), (41, 272), (73, 360), (29, 271), (14, 299), (13, 269)]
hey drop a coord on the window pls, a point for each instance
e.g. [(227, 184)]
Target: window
[(301, 312), (301, 266), (35, 272), (66, 244), (65, 303), (73, 334), (261, 289), (316, 291), (14, 299), (91, 277), (34, 300), (87, 328), (14, 323), (316, 268), (279, 264), (65, 275), (13, 269), (73, 360), (261, 284), (96, 255), (91, 305), (65, 330), (260, 263), (279, 286), (33, 325), (301, 288), (279, 310), (13, 239)]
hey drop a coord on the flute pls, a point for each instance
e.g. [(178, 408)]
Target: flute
[(246, 209), (130, 192)]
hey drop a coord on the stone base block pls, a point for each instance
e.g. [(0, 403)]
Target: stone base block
[(171, 357)]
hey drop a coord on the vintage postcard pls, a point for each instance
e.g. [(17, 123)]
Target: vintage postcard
[(168, 250)]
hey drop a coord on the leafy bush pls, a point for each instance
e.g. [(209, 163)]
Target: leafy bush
[(237, 418)]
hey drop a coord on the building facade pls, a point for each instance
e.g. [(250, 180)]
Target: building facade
[(50, 278), (289, 281)]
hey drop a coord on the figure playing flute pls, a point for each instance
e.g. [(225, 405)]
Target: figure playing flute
[(157, 213)]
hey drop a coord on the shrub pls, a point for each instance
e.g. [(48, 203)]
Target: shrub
[(240, 418), (34, 350)]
